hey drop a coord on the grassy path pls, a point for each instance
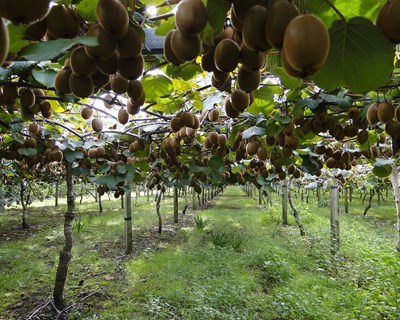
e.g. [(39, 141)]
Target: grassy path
[(243, 265)]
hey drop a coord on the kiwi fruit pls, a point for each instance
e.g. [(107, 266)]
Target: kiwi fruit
[(213, 115), (81, 64), (385, 111), (241, 7), (81, 87), (235, 22), (62, 23), (251, 60), (86, 113), (372, 113), (100, 79), (101, 151), (397, 113), (262, 153), (207, 62), (4, 41), (62, 81), (230, 112), (248, 81), (106, 43), (392, 128), (10, 92), (139, 101), (251, 148), (57, 155), (176, 124), (330, 163), (220, 76), (229, 33), (30, 143), (22, 11), (33, 128), (221, 139), (240, 100), (388, 20), (135, 89), (196, 122), (226, 55), (354, 113), (113, 17), (253, 30), (131, 44), (187, 119), (119, 84), (27, 97), (288, 68), (132, 108), (191, 17), (169, 54), (123, 116), (92, 153), (306, 44), (131, 68), (45, 109), (185, 47), (362, 137), (279, 15), (36, 31), (110, 65), (97, 124)]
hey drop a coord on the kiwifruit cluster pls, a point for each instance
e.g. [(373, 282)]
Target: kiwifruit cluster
[(184, 43), (388, 20), (216, 143), (62, 22), (96, 152), (137, 145), (389, 114), (237, 103)]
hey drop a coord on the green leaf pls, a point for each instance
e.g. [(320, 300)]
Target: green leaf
[(87, 9), (165, 27), (185, 71), (263, 101), (382, 171), (380, 162), (216, 164), (286, 80), (108, 180), (49, 50), (16, 34), (27, 151), (360, 57), (253, 131), (217, 10), (156, 86), (45, 77), (72, 156)]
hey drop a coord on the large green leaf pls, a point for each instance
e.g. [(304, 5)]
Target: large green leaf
[(156, 86), (87, 9), (253, 131), (263, 101), (45, 77), (49, 50), (360, 57), (217, 10), (16, 34)]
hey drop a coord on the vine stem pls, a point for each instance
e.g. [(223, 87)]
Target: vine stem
[(329, 3), (302, 7)]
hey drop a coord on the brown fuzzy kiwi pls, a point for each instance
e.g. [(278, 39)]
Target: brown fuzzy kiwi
[(33, 128), (235, 22), (169, 54), (229, 33), (81, 87), (346, 157), (240, 100), (131, 68), (248, 81), (262, 153), (62, 23), (109, 66), (113, 17), (362, 136), (62, 81), (92, 153), (230, 112), (306, 43), (388, 20), (392, 128), (57, 155), (81, 64), (30, 143), (119, 84), (354, 113), (350, 130), (123, 116), (185, 47), (221, 139), (226, 55), (4, 41), (36, 31), (22, 11), (213, 115), (10, 92), (97, 124), (187, 119), (397, 113), (27, 97), (253, 29), (251, 60), (131, 44), (100, 80), (107, 44), (132, 108), (196, 122), (101, 151), (251, 148), (372, 113), (176, 124), (191, 17), (135, 89), (279, 15), (330, 163), (207, 61), (139, 101), (385, 111), (86, 113)]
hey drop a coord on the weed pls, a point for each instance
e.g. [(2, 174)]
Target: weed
[(201, 222), (237, 242), (220, 239)]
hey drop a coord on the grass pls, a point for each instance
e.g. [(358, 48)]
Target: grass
[(243, 265)]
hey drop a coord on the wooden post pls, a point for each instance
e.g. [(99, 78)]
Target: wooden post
[(193, 199), (128, 221), (346, 200), (284, 203), (260, 196), (335, 231), (56, 194), (176, 216)]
